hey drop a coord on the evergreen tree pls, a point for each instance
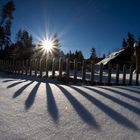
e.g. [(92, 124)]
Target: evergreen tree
[(6, 18), (56, 46), (139, 41), (23, 39), (93, 54), (130, 40), (78, 55), (104, 55), (124, 44), (23, 48)]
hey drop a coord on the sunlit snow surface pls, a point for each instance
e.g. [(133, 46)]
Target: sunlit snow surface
[(35, 109)]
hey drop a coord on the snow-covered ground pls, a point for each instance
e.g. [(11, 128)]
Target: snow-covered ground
[(33, 109)]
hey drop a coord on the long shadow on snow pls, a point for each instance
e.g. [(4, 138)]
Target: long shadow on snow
[(19, 91), (84, 114), (31, 98), (15, 84), (127, 89), (9, 80), (51, 104), (135, 87), (122, 94), (118, 101), (119, 118)]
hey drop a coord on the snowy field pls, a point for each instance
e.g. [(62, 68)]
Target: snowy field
[(36, 109)]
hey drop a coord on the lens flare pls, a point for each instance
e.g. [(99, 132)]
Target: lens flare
[(47, 45)]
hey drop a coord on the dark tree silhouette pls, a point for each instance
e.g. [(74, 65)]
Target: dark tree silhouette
[(124, 43), (5, 23), (57, 46), (139, 41), (23, 39), (130, 40), (93, 55), (78, 55), (104, 55), (23, 48)]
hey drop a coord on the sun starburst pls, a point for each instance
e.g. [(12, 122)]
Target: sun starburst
[(47, 45)]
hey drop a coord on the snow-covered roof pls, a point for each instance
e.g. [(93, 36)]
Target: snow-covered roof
[(110, 57)]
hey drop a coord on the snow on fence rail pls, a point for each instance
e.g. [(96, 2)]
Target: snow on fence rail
[(75, 71)]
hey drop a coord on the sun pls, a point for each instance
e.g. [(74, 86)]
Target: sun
[(47, 45)]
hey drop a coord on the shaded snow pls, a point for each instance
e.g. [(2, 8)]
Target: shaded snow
[(33, 109)]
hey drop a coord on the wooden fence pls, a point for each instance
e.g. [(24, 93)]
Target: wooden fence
[(75, 71)]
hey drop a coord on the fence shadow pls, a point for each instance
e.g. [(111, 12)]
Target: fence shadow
[(5, 81), (122, 94), (51, 103), (135, 87), (128, 89), (84, 114), (31, 98), (15, 84), (117, 101), (119, 118), (19, 91)]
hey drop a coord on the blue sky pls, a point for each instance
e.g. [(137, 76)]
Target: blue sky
[(81, 24)]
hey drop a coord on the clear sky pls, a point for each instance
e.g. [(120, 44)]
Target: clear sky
[(81, 24)]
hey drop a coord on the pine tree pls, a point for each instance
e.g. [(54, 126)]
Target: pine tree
[(124, 44), (56, 43), (5, 23), (93, 54), (23, 48), (130, 40)]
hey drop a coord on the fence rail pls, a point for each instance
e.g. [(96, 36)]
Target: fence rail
[(68, 71)]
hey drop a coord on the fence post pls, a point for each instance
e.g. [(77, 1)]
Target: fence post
[(16, 66), (117, 73), (53, 68), (4, 64), (46, 68), (9, 65), (22, 67), (124, 74), (109, 72), (13, 66), (130, 75), (36, 64), (31, 61), (83, 71), (92, 72), (40, 67), (137, 78), (75, 70), (19, 65), (101, 73), (26, 73), (67, 70), (60, 68)]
